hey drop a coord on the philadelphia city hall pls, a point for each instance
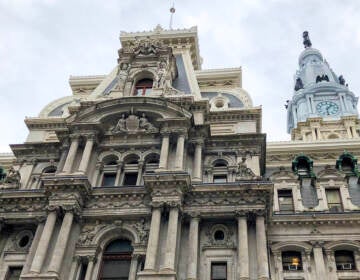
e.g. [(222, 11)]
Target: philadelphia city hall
[(160, 170)]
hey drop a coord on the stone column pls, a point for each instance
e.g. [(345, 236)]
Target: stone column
[(278, 265), (331, 264), (193, 248), (74, 271), (87, 153), (163, 164), (197, 160), (153, 242), (243, 248), (64, 152), (96, 176), (90, 267), (71, 154), (61, 242), (261, 249), (179, 158), (33, 246), (319, 262), (43, 246), (140, 173), (133, 267), (306, 261), (171, 239), (118, 173)]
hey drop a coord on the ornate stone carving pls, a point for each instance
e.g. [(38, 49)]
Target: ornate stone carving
[(13, 178), (122, 75), (133, 124), (147, 46), (243, 172), (20, 241), (212, 241)]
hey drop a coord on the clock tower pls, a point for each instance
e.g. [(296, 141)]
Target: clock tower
[(322, 106)]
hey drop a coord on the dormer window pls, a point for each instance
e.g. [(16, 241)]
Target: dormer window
[(303, 167), (347, 163), (220, 171), (143, 87)]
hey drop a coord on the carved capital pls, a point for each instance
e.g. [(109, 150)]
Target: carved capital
[(74, 137), (53, 208), (241, 214), (195, 215)]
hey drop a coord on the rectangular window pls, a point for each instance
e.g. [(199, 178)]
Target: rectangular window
[(286, 202), (218, 271), (14, 273), (334, 200), (108, 180), (220, 178), (130, 179)]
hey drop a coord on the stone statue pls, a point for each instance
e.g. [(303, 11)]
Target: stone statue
[(341, 80), (122, 75), (161, 74), (299, 84), (145, 124), (13, 177), (243, 172), (306, 42), (121, 125)]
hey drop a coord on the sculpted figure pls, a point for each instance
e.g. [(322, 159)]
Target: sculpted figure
[(121, 125), (161, 74), (122, 75), (341, 80), (243, 172), (145, 47), (306, 42), (145, 124), (13, 177)]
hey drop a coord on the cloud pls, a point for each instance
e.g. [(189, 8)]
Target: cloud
[(45, 41)]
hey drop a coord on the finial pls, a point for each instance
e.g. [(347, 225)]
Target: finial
[(306, 42), (172, 11)]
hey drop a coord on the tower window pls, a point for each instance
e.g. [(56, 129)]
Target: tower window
[(334, 200), (344, 260), (291, 261), (219, 271), (286, 203), (143, 87)]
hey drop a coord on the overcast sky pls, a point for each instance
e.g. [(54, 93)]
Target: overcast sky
[(43, 42)]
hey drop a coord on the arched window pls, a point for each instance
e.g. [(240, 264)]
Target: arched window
[(220, 171), (48, 171), (131, 171), (110, 170), (345, 260), (116, 260), (143, 87), (152, 163), (291, 260)]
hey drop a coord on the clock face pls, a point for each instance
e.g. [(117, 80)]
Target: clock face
[(327, 108)]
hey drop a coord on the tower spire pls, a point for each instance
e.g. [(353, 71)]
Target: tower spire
[(172, 11), (306, 41)]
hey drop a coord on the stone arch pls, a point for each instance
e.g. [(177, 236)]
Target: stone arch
[(282, 174), (342, 245), (41, 166), (105, 154), (147, 154), (212, 159), (111, 232), (139, 75), (291, 246), (127, 155)]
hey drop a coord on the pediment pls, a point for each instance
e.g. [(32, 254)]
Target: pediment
[(154, 108), (330, 173), (283, 174)]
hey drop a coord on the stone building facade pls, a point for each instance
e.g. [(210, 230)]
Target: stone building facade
[(160, 170)]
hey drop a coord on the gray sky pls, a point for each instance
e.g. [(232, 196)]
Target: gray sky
[(43, 42)]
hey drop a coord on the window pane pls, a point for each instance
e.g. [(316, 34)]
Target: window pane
[(291, 260), (14, 273), (139, 91), (220, 179), (218, 271), (148, 91), (286, 203), (108, 180), (130, 179), (344, 260), (116, 269), (334, 200)]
